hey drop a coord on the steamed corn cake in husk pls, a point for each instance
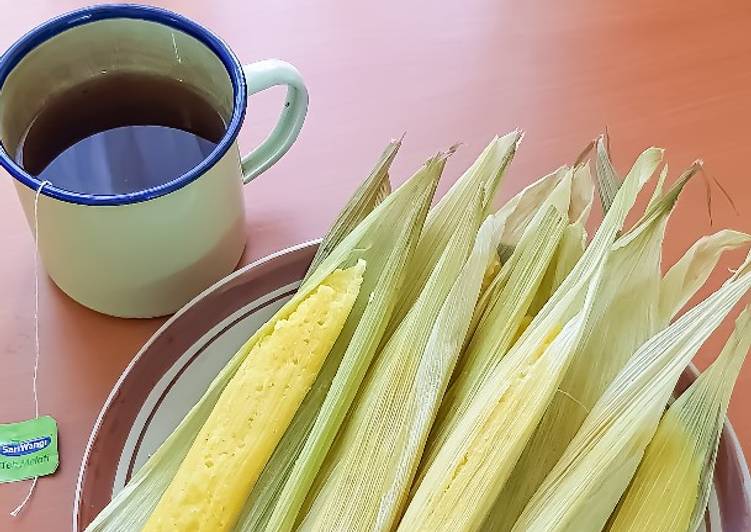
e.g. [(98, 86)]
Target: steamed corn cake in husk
[(253, 411)]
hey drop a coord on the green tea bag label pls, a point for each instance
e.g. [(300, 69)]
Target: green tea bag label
[(28, 449)]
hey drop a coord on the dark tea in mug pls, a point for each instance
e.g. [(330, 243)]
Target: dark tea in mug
[(120, 132)]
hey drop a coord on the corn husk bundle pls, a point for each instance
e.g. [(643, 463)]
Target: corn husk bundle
[(367, 476), (626, 316), (584, 486), (465, 368), (524, 381)]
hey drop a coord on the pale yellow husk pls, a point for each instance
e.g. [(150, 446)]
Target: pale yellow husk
[(625, 316), (515, 216), (485, 174), (479, 454), (691, 271), (378, 450), (670, 489), (584, 486), (367, 197)]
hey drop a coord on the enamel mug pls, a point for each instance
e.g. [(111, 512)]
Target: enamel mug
[(144, 253)]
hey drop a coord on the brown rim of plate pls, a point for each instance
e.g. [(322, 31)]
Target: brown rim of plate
[(101, 457)]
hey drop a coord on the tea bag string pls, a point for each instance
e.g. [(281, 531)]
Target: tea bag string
[(21, 506)]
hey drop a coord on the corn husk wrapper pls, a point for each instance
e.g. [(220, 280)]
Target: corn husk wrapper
[(607, 178), (584, 486), (499, 326), (522, 208), (485, 174), (522, 216), (692, 270), (515, 216), (367, 197), (383, 439), (356, 359), (659, 186), (131, 507), (639, 174), (480, 453), (671, 487), (626, 315), (209, 489), (574, 239), (399, 221)]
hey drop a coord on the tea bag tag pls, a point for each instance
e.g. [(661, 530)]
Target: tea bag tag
[(28, 449)]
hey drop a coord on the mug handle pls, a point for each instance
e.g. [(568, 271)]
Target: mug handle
[(261, 76)]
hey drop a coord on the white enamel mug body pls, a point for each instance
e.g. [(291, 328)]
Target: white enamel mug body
[(148, 252)]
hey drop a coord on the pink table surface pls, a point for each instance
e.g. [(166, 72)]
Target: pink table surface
[(671, 73)]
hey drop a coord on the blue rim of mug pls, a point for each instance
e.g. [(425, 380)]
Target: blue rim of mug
[(47, 30)]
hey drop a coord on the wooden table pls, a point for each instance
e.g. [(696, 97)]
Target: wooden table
[(670, 73)]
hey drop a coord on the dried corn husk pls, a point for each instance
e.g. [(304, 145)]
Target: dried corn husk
[(691, 271), (607, 177), (671, 487), (515, 217), (480, 452), (485, 174), (524, 206), (498, 327), (574, 239), (367, 197), (382, 441), (131, 507), (625, 316), (585, 485)]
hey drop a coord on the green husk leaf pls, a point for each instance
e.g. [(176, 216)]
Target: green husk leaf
[(402, 213), (520, 218), (625, 316), (479, 454), (657, 192), (485, 174), (611, 225), (574, 240), (367, 197), (584, 486), (671, 487)]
